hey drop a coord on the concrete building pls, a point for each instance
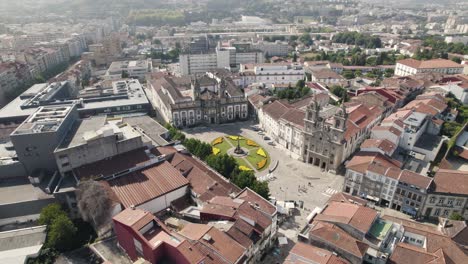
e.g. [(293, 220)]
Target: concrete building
[(197, 63), (94, 139), (411, 67), (129, 69), (37, 137), (111, 97), (224, 57), (277, 48), (184, 103)]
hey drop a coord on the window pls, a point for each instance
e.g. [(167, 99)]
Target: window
[(450, 201), (138, 246), (459, 202), (441, 200), (432, 200), (446, 212), (436, 212)]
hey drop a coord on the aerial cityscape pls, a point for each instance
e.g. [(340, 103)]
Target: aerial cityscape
[(233, 131)]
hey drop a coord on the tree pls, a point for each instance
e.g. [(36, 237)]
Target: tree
[(49, 213), (61, 233), (294, 57), (94, 204), (348, 74), (222, 163), (457, 60), (124, 74), (456, 216), (306, 39), (244, 179), (262, 189), (450, 128), (338, 90)]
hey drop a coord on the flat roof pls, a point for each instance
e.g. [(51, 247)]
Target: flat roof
[(149, 127), (76, 135), (17, 245), (134, 95)]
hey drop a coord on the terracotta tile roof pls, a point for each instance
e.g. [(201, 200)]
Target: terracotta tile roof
[(338, 238), (356, 216), (192, 255), (429, 64), (457, 230), (359, 117), (347, 198), (390, 129), (303, 253), (112, 165), (294, 117), (371, 161), (415, 179), (134, 218), (222, 211), (216, 240), (326, 74), (444, 181), (238, 234), (194, 231), (275, 109), (252, 197), (384, 144), (435, 241), (249, 211), (405, 253), (205, 182), (142, 186)]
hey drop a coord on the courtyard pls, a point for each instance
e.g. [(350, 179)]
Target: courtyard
[(292, 180)]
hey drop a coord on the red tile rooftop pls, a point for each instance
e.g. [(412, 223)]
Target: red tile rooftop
[(139, 187)]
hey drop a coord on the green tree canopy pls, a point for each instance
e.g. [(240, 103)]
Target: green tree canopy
[(61, 233), (49, 213)]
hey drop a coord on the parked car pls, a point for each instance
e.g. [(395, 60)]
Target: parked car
[(271, 143), (261, 133), (266, 138)]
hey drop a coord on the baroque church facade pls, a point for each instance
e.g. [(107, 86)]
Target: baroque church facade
[(324, 136)]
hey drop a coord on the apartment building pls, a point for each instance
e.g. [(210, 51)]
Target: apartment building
[(277, 48), (411, 67), (223, 57)]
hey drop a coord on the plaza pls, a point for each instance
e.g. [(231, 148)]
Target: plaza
[(292, 180)]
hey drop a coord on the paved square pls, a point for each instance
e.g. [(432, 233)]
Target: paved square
[(294, 180)]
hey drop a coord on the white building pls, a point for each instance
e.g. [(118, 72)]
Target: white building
[(270, 74), (277, 48), (411, 66), (197, 63), (133, 69), (223, 57)]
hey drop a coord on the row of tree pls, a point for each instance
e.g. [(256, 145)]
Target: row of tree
[(225, 164), (359, 39), (291, 93), (439, 46)]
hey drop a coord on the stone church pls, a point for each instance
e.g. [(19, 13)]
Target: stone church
[(325, 136)]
